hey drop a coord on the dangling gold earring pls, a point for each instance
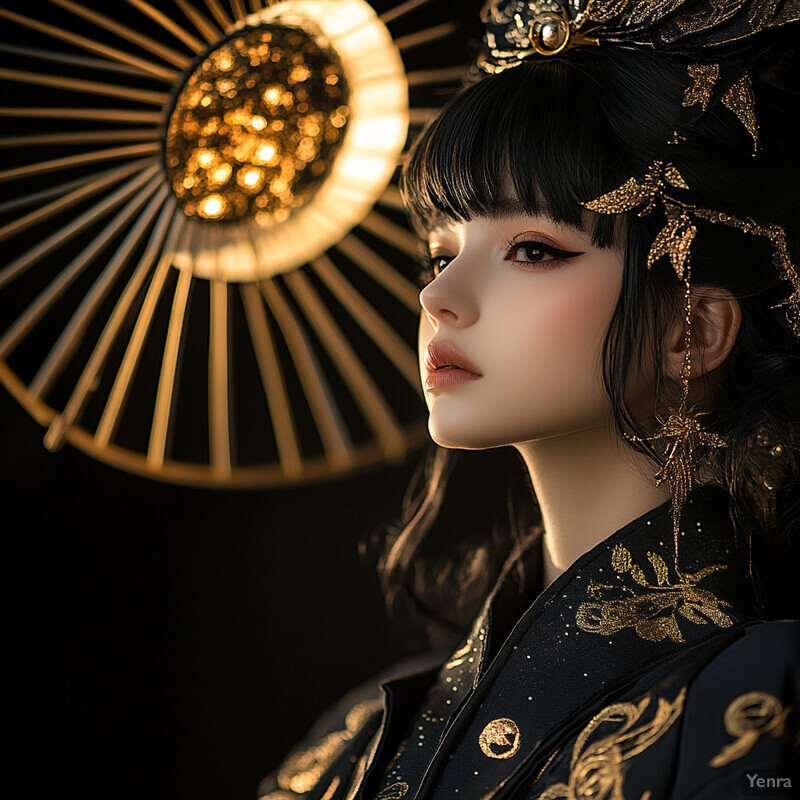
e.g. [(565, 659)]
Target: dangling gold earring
[(682, 432)]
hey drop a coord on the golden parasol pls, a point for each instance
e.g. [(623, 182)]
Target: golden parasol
[(200, 223)]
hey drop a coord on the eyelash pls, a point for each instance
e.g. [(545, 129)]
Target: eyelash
[(429, 271)]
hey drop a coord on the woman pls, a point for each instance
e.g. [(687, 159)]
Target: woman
[(604, 218)]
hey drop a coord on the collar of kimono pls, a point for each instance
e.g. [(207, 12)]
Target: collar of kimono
[(488, 714), (628, 604), (624, 607)]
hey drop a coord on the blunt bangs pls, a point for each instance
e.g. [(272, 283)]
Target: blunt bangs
[(532, 139)]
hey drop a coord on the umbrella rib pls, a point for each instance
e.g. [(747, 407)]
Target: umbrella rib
[(238, 9), (283, 425), (97, 212), (149, 148), (165, 228), (71, 336), (398, 11), (80, 137), (381, 271), (87, 188), (255, 6), (95, 114), (88, 87), (391, 232), (364, 313), (219, 422), (134, 37), (363, 389), (168, 24), (204, 26), (425, 77), (45, 194), (84, 62), (115, 54), (223, 20), (169, 366), (42, 304), (141, 329), (425, 36), (391, 197), (333, 433), (419, 116)]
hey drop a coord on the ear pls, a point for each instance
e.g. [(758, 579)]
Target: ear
[(716, 319)]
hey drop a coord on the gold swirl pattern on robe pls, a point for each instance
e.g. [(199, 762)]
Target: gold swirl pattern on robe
[(394, 792), (652, 614), (596, 768), (301, 771), (750, 716)]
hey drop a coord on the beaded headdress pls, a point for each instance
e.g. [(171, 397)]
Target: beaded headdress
[(713, 37)]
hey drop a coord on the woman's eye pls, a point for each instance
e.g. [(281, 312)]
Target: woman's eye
[(537, 252), (437, 263)]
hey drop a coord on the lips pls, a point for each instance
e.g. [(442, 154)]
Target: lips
[(447, 366)]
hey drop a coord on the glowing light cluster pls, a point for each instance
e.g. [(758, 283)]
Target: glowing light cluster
[(257, 126), (311, 138)]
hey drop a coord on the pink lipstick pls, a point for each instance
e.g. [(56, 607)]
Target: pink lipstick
[(448, 367)]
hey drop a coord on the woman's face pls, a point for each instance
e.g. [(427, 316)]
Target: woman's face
[(512, 331)]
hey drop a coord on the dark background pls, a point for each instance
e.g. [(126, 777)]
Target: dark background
[(168, 642), (174, 642)]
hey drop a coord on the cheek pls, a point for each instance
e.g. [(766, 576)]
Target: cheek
[(426, 333), (563, 328)]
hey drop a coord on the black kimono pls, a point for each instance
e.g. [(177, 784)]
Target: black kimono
[(633, 676)]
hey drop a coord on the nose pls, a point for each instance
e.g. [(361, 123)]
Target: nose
[(449, 298)]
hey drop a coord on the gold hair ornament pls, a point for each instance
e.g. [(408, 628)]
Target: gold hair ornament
[(682, 432), (738, 98), (517, 30)]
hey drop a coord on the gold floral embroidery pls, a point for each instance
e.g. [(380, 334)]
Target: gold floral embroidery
[(652, 614), (301, 772), (394, 792), (596, 768), (748, 717)]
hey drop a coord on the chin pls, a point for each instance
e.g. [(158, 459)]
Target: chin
[(463, 437)]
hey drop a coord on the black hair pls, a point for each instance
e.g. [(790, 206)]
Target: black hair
[(566, 130)]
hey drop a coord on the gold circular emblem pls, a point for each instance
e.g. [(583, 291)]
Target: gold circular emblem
[(500, 739), (549, 33)]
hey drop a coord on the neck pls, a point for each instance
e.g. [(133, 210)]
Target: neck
[(588, 485)]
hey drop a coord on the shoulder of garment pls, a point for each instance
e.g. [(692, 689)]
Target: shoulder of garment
[(341, 736), (722, 728), (739, 733)]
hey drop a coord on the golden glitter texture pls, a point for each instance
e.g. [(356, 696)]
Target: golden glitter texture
[(741, 100), (704, 78), (597, 768), (634, 193), (500, 739), (777, 237), (675, 240), (394, 792), (257, 126), (748, 717), (653, 613)]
